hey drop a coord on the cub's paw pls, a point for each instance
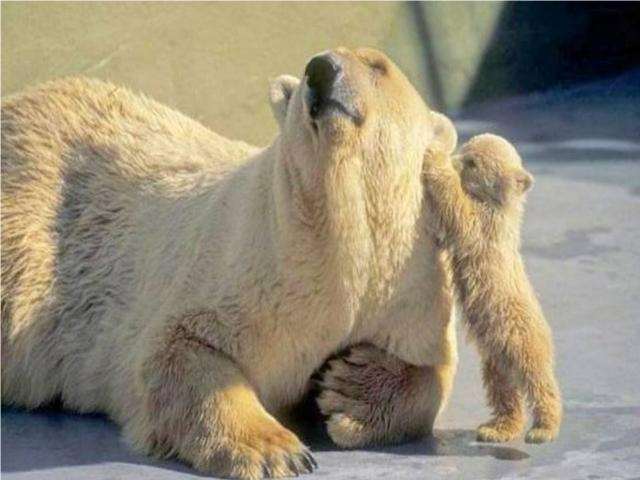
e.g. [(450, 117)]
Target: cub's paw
[(267, 450), (541, 435), (362, 395), (499, 430)]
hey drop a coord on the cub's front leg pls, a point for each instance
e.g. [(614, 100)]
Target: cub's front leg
[(372, 397), (505, 400), (198, 405)]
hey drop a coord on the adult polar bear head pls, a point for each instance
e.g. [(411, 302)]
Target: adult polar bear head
[(353, 133)]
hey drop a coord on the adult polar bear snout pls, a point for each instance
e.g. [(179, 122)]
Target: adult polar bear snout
[(328, 89)]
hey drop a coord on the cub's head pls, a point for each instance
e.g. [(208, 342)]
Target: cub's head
[(354, 106), (491, 170)]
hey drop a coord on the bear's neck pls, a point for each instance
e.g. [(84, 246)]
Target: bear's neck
[(358, 229)]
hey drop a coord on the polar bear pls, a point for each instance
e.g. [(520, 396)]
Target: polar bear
[(477, 200), (188, 285)]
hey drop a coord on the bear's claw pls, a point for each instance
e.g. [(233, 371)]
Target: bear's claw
[(501, 428), (541, 435)]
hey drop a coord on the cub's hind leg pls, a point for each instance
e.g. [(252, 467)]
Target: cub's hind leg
[(198, 405), (534, 370), (525, 356)]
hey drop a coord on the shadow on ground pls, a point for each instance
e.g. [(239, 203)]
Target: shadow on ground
[(50, 438)]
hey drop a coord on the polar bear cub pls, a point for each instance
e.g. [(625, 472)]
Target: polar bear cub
[(477, 199)]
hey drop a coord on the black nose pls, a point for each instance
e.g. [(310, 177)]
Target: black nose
[(322, 72)]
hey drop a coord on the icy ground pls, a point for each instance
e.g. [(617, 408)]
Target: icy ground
[(582, 246)]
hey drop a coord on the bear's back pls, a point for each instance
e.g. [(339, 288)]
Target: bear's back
[(83, 162), (72, 115)]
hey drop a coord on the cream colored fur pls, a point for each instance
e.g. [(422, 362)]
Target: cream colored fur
[(373, 397), (477, 201), (188, 285)]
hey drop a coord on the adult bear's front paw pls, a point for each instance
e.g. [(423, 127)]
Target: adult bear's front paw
[(363, 395), (267, 451)]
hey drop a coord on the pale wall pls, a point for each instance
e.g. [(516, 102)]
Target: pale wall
[(212, 61)]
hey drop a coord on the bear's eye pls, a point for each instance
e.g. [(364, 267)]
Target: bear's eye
[(378, 66), (470, 163)]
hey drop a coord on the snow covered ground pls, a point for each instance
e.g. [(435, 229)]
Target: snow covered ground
[(581, 242)]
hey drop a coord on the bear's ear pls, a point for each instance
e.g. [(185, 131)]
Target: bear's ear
[(444, 132), (280, 91), (523, 181)]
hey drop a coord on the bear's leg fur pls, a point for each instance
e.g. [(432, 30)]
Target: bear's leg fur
[(536, 376), (198, 405), (372, 397), (527, 362), (506, 401)]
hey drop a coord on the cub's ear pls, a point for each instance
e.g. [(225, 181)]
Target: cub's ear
[(444, 132), (280, 92), (523, 181)]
